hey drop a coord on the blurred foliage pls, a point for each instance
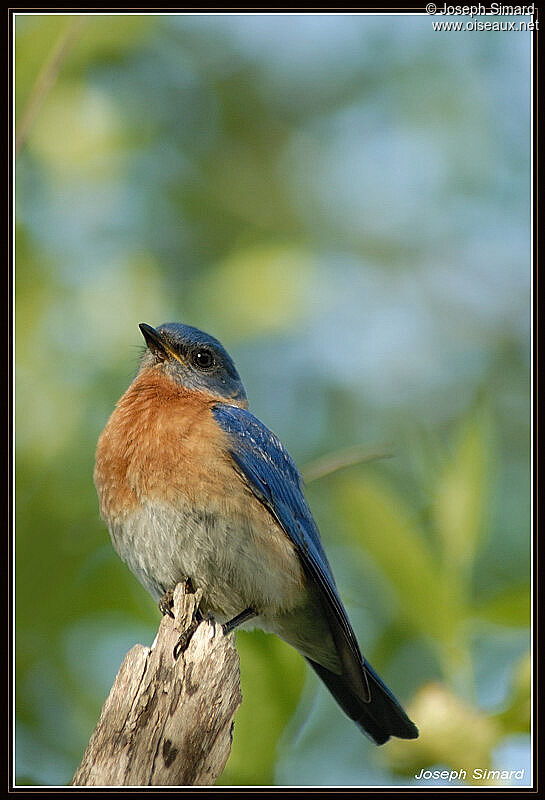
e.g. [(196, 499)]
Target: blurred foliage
[(343, 201), (435, 572), (272, 676)]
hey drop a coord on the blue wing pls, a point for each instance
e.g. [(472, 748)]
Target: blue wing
[(276, 482)]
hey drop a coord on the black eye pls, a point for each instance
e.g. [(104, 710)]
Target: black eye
[(203, 359)]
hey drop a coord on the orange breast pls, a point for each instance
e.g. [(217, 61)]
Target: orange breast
[(162, 449), (161, 441)]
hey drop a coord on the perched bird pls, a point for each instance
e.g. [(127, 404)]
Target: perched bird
[(193, 486)]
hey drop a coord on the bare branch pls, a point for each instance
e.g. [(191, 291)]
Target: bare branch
[(167, 721)]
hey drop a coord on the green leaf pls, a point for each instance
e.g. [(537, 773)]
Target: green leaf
[(272, 677), (509, 607), (461, 495), (381, 525)]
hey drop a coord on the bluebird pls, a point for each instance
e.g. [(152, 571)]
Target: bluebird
[(194, 488)]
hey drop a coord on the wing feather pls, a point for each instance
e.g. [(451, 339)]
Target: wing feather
[(274, 479), (276, 482)]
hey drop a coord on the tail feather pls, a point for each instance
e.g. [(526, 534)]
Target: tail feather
[(379, 717)]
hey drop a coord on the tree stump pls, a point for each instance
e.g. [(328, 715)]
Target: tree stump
[(168, 721)]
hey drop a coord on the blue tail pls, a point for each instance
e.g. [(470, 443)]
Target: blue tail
[(379, 717)]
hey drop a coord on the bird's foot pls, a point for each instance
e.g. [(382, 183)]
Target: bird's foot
[(184, 639), (183, 642), (166, 603)]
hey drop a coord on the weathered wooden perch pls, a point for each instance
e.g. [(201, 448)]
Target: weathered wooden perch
[(167, 721)]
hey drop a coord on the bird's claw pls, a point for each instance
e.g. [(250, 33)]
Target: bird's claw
[(166, 603), (184, 639)]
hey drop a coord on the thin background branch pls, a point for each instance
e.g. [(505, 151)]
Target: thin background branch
[(332, 462), (47, 77)]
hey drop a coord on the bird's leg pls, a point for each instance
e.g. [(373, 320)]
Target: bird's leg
[(229, 626)]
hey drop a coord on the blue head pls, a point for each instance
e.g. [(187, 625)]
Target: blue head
[(193, 359)]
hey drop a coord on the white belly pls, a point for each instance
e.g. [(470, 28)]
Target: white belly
[(237, 563)]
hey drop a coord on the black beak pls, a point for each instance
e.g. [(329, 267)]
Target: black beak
[(153, 338)]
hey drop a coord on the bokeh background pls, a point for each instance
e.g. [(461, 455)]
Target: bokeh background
[(344, 201)]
